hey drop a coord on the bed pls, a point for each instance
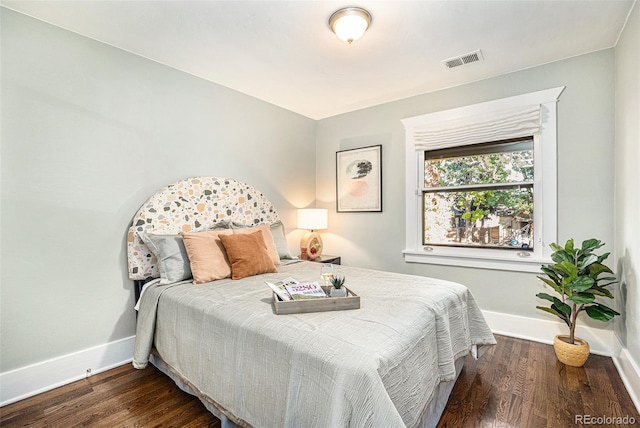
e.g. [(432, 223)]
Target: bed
[(391, 363)]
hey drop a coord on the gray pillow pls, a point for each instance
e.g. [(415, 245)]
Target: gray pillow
[(236, 225), (279, 238), (223, 224), (173, 262)]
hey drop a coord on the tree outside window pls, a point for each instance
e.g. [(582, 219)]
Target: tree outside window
[(480, 195)]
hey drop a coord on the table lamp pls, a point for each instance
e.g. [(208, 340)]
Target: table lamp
[(311, 219)]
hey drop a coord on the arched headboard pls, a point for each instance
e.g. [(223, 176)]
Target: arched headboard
[(189, 205)]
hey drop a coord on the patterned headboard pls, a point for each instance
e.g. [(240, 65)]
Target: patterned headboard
[(189, 205)]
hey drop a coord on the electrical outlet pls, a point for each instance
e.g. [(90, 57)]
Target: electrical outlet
[(89, 372)]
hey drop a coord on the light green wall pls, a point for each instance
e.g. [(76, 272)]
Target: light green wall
[(585, 165), (88, 133), (628, 182)]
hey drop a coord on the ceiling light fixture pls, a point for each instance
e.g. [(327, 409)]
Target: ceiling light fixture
[(350, 23)]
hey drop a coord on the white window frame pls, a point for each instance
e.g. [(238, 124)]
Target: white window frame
[(545, 190)]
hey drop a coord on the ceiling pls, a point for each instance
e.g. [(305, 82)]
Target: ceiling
[(283, 52)]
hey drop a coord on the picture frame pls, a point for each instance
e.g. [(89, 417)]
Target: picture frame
[(359, 180)]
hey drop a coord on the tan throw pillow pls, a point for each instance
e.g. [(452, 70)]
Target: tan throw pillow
[(268, 240), (248, 254), (207, 257)]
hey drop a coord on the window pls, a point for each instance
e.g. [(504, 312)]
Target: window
[(481, 184), (480, 196)]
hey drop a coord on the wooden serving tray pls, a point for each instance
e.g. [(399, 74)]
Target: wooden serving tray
[(352, 301)]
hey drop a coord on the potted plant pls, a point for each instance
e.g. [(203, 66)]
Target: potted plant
[(338, 290), (579, 277)]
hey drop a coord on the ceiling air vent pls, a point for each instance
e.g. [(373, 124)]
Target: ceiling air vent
[(474, 56)]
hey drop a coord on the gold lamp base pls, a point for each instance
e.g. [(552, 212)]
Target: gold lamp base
[(309, 240)]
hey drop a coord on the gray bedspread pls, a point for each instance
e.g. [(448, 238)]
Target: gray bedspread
[(373, 367)]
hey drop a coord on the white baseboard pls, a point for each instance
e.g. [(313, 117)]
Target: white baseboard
[(630, 375), (601, 342), (36, 378)]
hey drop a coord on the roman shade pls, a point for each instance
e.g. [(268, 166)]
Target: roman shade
[(477, 128)]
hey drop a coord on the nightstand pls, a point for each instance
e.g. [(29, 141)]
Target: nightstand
[(325, 258)]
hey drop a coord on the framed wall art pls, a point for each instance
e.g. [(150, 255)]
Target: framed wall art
[(359, 180)]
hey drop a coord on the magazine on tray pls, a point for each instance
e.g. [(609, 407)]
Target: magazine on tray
[(280, 288), (291, 289), (306, 290)]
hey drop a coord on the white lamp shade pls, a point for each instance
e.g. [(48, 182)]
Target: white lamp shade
[(312, 218)]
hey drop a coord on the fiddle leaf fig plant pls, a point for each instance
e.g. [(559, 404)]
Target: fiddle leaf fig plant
[(579, 277)]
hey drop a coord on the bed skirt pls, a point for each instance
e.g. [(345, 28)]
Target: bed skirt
[(430, 417)]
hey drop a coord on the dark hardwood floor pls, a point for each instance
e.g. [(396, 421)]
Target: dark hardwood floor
[(516, 384), (520, 383), (121, 397)]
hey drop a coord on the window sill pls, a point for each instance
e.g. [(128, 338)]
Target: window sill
[(476, 258)]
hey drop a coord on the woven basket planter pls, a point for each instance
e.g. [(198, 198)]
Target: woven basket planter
[(572, 355)]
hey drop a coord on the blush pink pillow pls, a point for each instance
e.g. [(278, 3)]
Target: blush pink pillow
[(207, 256)]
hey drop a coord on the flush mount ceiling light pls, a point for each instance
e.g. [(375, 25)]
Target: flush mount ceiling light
[(350, 23)]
